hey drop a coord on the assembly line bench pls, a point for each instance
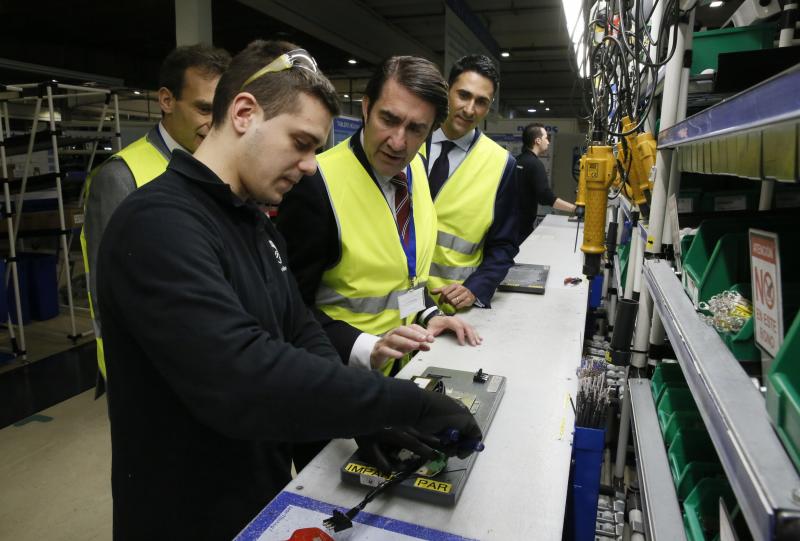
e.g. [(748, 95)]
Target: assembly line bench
[(518, 487)]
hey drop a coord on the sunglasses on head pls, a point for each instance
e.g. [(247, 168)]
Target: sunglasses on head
[(299, 58)]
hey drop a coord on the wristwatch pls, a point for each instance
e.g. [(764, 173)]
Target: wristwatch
[(432, 315)]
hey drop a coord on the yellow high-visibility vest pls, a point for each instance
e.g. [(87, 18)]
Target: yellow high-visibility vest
[(362, 289), (146, 162), (465, 211)]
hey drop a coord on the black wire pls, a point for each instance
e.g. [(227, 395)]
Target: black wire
[(619, 65)]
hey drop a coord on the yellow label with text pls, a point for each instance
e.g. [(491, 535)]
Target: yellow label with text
[(362, 469), (432, 484), (651, 241)]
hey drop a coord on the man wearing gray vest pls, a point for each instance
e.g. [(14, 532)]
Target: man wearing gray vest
[(187, 80)]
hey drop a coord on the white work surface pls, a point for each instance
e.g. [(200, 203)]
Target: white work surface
[(518, 487)]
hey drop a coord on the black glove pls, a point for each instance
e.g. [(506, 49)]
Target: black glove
[(440, 415), (378, 449), (441, 419)]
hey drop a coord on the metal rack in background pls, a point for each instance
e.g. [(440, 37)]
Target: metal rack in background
[(52, 138)]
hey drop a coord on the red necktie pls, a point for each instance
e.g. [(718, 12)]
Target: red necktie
[(402, 206)]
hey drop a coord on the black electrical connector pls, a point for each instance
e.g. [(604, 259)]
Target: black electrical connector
[(624, 324)]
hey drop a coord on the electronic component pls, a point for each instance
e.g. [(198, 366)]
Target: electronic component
[(439, 481), (525, 278), (429, 383)]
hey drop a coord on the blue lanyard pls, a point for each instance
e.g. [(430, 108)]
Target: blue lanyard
[(411, 248)]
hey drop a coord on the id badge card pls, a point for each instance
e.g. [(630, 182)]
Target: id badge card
[(411, 302)]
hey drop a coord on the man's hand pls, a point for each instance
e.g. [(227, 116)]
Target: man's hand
[(377, 448), (439, 415), (399, 341), (456, 295), (465, 333)]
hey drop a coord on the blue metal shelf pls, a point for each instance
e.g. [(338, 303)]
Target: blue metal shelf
[(774, 101)]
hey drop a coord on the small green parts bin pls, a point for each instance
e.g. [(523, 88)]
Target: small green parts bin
[(680, 420), (708, 45), (701, 508), (783, 392), (691, 457), (666, 375), (672, 400)]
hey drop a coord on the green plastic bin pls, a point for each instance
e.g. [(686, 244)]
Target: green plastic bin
[(733, 256), (691, 446), (686, 242), (672, 400), (729, 269), (679, 420), (666, 375), (694, 474), (783, 392), (701, 508), (729, 264), (624, 254), (708, 45)]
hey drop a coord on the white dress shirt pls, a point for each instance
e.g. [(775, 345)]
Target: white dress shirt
[(456, 154), (171, 143)]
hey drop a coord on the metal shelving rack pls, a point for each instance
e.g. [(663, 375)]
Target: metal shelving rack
[(754, 134), (12, 272), (659, 500), (763, 478), (44, 96)]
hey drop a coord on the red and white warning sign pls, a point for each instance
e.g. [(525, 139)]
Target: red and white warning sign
[(765, 268)]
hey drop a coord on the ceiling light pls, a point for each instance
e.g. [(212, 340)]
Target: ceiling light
[(717, 3), (541, 101), (505, 54), (137, 92), (347, 95), (546, 108), (531, 110), (573, 13), (352, 61)]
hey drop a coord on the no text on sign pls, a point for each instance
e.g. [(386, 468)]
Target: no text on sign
[(766, 280)]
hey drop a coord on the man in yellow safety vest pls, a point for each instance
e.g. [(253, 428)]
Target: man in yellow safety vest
[(187, 80), (472, 183), (361, 231)]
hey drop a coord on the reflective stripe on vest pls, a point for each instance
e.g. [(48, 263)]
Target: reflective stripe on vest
[(363, 287), (363, 305), (465, 211), (448, 240), (146, 162), (454, 274)]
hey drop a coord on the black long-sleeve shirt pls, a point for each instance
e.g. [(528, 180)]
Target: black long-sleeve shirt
[(533, 190), (214, 362)]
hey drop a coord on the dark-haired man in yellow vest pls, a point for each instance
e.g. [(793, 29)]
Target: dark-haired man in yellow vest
[(361, 231), (187, 80), (473, 188)]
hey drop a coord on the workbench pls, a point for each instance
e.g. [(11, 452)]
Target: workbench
[(518, 487)]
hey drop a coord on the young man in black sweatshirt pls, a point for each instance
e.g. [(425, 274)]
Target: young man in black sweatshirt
[(215, 365)]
